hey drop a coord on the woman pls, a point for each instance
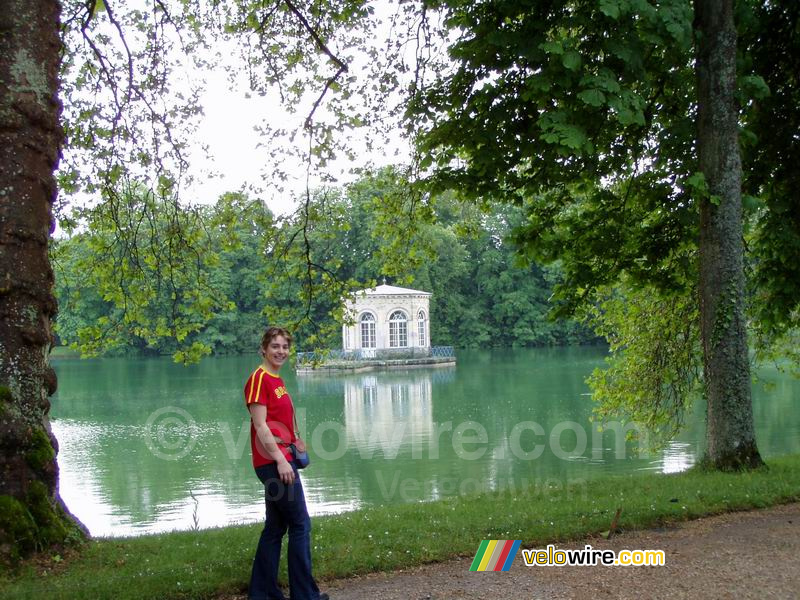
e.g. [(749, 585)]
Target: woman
[(272, 429)]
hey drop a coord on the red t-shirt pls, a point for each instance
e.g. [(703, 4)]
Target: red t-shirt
[(263, 387)]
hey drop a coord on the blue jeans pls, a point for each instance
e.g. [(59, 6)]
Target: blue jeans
[(286, 509)]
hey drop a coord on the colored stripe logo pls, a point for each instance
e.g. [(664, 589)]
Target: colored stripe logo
[(495, 555)]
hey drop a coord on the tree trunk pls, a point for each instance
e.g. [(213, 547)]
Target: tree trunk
[(730, 432), (32, 516)]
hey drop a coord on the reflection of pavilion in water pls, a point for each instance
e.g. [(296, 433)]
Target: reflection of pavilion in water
[(387, 412)]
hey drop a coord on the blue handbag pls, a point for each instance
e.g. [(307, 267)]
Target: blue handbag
[(301, 459)]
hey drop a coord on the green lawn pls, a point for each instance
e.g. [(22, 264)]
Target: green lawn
[(205, 563)]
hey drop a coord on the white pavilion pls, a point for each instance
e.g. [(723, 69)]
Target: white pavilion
[(388, 317)]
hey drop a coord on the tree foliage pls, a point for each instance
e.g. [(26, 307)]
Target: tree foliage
[(146, 265), (771, 37), (589, 131), (254, 269), (594, 117), (654, 365), (133, 76)]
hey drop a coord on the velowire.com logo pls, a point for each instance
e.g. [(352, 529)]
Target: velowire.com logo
[(495, 555)]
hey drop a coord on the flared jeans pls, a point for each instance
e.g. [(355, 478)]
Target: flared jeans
[(286, 511)]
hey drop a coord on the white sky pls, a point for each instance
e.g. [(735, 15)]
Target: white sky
[(224, 153), (228, 129), (231, 114)]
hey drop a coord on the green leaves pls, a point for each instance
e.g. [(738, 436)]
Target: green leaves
[(753, 87), (654, 367), (137, 275), (552, 47), (770, 99), (628, 108), (192, 354), (119, 294), (597, 90), (556, 131), (698, 184), (571, 60), (593, 97), (610, 8)]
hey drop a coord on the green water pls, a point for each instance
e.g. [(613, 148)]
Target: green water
[(139, 438)]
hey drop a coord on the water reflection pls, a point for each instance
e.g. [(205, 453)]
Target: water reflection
[(677, 457), (388, 412)]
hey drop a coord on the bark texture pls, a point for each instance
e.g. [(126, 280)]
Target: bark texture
[(32, 515), (730, 431)]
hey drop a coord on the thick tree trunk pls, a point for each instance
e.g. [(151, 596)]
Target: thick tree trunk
[(730, 432), (32, 515)]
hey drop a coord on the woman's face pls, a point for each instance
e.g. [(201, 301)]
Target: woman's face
[(276, 353)]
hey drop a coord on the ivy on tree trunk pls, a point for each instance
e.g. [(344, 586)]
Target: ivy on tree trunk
[(730, 431)]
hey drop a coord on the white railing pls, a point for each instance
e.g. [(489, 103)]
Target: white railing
[(369, 354)]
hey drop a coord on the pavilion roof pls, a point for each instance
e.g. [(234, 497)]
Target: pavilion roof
[(391, 290)]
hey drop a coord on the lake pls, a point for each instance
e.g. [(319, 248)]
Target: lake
[(147, 445)]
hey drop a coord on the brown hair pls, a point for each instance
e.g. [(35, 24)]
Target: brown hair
[(271, 333)]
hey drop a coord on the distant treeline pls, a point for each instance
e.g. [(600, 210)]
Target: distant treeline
[(147, 277)]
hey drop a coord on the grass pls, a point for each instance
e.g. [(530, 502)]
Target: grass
[(206, 563)]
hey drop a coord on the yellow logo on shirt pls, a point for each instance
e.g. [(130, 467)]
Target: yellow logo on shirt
[(280, 391)]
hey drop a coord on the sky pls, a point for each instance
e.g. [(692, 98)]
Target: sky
[(225, 152), (228, 129)]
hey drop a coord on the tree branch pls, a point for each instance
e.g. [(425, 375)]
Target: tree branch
[(342, 67)]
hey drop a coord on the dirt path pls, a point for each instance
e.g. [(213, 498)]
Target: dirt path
[(739, 555)]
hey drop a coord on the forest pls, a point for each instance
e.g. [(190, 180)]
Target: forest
[(125, 279)]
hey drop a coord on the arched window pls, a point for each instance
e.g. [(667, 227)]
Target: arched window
[(421, 329), (367, 330), (398, 330)]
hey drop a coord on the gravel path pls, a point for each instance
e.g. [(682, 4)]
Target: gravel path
[(738, 555)]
